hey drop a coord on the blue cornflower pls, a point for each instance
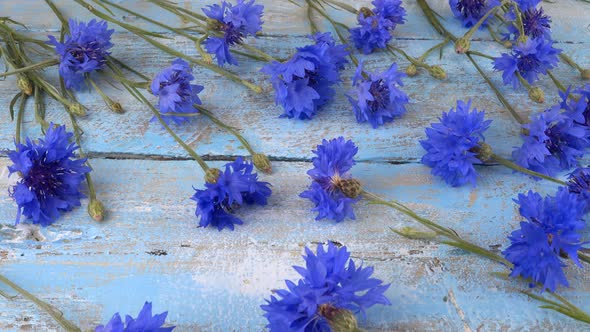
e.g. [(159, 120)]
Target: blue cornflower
[(144, 322), (529, 59), (554, 142), (535, 24), (527, 4), (377, 99), (304, 83), (333, 160), (235, 22), (50, 176), (177, 94), (236, 186), (85, 50), (471, 11), (550, 232), (376, 25), (330, 282), (452, 145), (583, 103), (579, 184)]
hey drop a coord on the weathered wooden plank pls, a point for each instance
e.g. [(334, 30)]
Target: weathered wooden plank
[(569, 17), (257, 116), (215, 281)]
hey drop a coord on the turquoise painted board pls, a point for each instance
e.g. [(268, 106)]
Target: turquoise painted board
[(151, 249)]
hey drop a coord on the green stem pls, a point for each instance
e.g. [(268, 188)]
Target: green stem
[(342, 5), (230, 129), (19, 117), (312, 25), (206, 56), (108, 101), (556, 81), (584, 258), (54, 313), (39, 65), (482, 55), (40, 108), (474, 28), (513, 166), (143, 34), (519, 23), (437, 46), (570, 62)]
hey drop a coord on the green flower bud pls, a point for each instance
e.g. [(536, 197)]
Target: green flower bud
[(340, 320), (350, 187), (77, 109), (462, 45), (366, 12), (537, 95), (508, 44), (262, 163), (411, 70), (484, 152), (437, 72), (586, 74), (24, 84), (96, 210), (116, 107), (212, 175), (214, 24)]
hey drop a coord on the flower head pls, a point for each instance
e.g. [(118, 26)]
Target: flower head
[(550, 232), (527, 4), (333, 160), (554, 142), (50, 176), (377, 99), (144, 322), (529, 59), (584, 103), (329, 281), (535, 24), (235, 186), (376, 25), (235, 22), (177, 95), (579, 184), (471, 11), (304, 83), (84, 51), (452, 145)]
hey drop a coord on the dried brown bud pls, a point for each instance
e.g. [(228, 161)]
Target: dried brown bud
[(437, 72), (262, 163), (212, 175), (24, 84), (366, 12), (96, 210), (411, 70), (508, 44), (462, 45), (586, 74), (537, 95), (350, 187)]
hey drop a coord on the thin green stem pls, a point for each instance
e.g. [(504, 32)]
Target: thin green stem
[(54, 313), (519, 24), (39, 107), (556, 81), (39, 65), (584, 258), (476, 26), (19, 117), (482, 55), (513, 166), (437, 46), (230, 129), (312, 25), (144, 35), (108, 101), (570, 62)]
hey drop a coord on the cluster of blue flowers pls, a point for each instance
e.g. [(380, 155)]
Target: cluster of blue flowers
[(376, 98), (452, 145), (235, 186), (333, 160), (84, 51), (330, 281), (234, 22), (175, 91), (376, 25), (305, 82), (144, 322), (549, 235), (50, 176)]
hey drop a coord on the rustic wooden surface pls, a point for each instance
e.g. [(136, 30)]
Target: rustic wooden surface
[(150, 248)]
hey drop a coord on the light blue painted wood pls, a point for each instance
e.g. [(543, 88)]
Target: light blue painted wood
[(214, 281)]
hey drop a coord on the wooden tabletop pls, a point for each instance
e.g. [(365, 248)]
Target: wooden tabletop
[(150, 249)]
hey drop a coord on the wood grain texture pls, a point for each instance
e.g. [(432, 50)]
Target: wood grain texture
[(211, 281)]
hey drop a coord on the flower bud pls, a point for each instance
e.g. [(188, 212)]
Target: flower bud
[(96, 210), (437, 72), (77, 109), (484, 152), (586, 74), (350, 187), (262, 163), (366, 12), (462, 45), (212, 175), (214, 24), (411, 70), (340, 320), (508, 44), (413, 233), (537, 95), (24, 84), (116, 107)]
